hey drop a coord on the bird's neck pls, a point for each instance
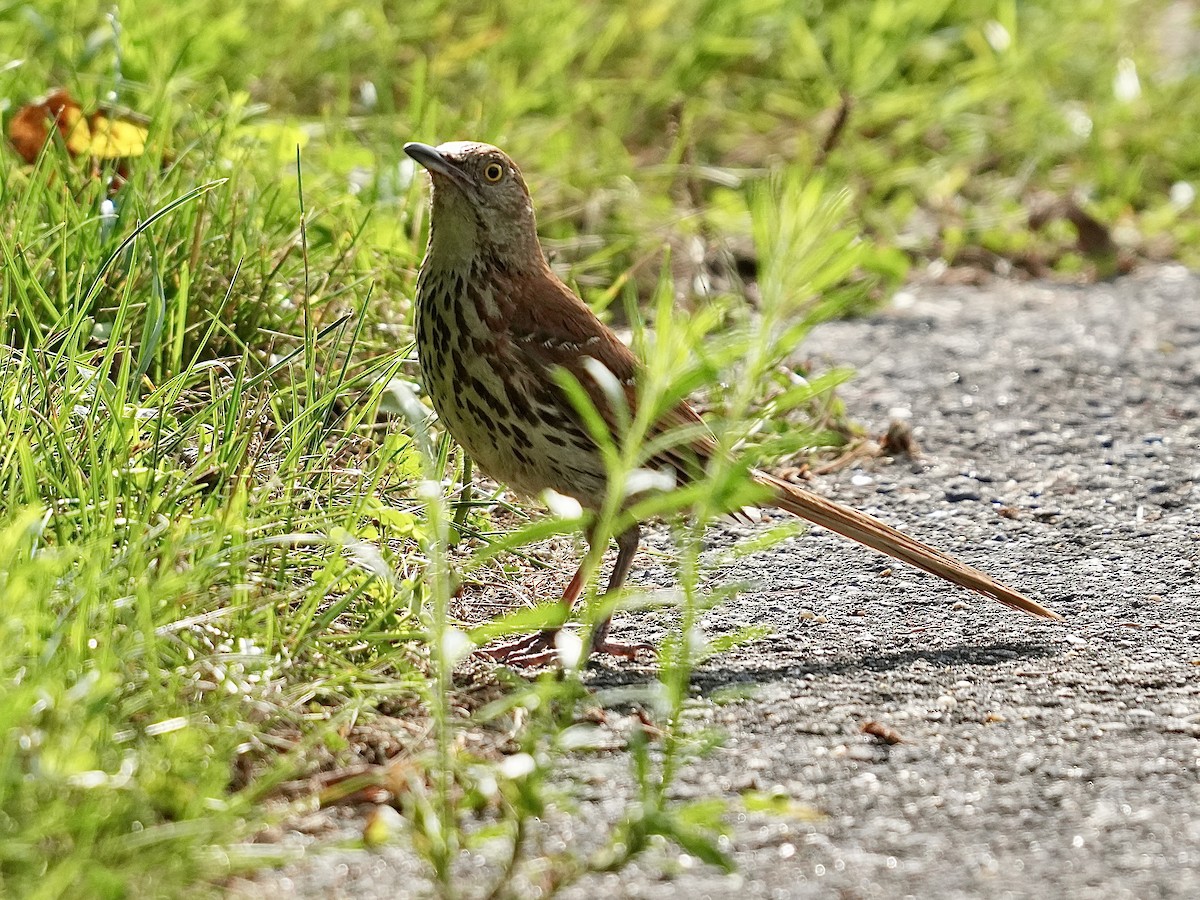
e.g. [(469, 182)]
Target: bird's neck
[(458, 239), (454, 231)]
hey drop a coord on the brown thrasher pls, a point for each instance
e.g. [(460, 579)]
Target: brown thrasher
[(493, 323)]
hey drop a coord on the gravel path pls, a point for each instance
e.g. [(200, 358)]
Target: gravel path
[(1061, 436)]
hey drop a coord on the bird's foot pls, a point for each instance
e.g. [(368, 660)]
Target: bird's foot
[(538, 649), (601, 643), (623, 649), (542, 649)]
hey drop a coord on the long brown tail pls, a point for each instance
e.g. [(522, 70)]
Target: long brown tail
[(870, 531)]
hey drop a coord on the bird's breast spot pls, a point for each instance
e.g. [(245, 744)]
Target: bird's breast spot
[(491, 309)]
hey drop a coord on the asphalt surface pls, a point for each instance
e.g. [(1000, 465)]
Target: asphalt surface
[(1060, 430)]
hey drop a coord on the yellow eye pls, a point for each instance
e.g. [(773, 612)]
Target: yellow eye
[(493, 172)]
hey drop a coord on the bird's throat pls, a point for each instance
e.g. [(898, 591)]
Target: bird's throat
[(453, 230)]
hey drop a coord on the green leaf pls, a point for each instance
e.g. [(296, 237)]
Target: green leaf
[(777, 803)]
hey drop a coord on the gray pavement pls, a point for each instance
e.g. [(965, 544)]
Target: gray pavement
[(1060, 429)]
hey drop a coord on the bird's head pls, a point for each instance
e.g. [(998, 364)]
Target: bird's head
[(480, 203)]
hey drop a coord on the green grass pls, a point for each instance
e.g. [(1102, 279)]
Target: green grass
[(228, 534)]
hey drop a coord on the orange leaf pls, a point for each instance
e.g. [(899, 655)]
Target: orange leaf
[(30, 127), (101, 135)]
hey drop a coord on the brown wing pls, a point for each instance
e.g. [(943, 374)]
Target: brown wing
[(553, 328)]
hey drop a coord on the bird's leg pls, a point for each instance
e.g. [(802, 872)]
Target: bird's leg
[(540, 649), (537, 649), (627, 544)]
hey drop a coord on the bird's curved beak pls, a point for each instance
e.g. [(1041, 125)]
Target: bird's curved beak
[(433, 160)]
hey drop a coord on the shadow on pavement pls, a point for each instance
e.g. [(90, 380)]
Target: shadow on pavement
[(713, 674)]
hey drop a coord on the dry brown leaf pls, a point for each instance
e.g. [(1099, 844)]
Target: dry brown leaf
[(882, 732), (103, 135)]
